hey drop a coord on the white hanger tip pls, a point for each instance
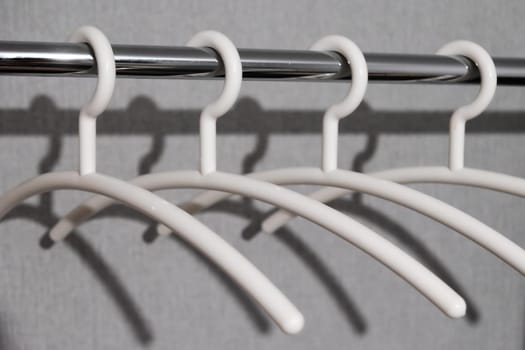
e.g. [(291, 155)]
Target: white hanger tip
[(268, 227), (163, 230), (61, 230), (293, 325), (457, 309)]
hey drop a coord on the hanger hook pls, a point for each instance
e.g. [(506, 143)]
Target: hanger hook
[(358, 67), (230, 92), (487, 90), (105, 61)]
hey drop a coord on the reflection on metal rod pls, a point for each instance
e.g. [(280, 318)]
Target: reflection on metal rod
[(66, 59)]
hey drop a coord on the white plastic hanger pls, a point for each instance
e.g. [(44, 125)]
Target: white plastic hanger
[(455, 173), (470, 227), (228, 259), (208, 178)]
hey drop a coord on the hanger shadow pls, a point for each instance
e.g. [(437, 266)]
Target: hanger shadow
[(42, 213), (6, 339), (354, 206), (142, 117)]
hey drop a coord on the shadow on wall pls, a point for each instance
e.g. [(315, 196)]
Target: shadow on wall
[(6, 339), (143, 117)]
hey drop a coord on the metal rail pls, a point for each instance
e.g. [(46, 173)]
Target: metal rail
[(133, 61)]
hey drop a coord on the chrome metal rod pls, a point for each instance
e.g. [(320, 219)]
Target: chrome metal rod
[(67, 59)]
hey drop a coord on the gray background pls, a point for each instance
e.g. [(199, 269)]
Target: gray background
[(108, 288)]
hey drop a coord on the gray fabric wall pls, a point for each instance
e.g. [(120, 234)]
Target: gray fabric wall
[(107, 287)]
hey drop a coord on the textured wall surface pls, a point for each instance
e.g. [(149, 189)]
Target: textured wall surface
[(106, 287)]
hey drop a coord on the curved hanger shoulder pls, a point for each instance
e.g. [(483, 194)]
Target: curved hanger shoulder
[(470, 227), (466, 177), (280, 309), (345, 227)]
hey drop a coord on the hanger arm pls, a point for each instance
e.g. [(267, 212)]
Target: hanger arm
[(345, 227), (280, 309), (466, 177), (470, 227)]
